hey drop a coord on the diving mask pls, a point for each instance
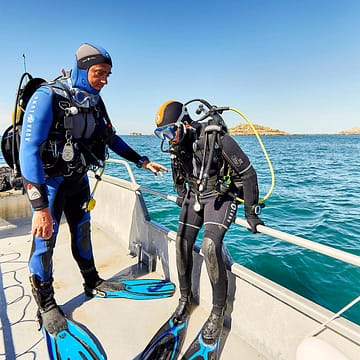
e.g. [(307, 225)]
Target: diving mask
[(167, 132), (83, 98)]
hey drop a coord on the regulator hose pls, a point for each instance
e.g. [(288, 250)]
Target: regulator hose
[(265, 154)]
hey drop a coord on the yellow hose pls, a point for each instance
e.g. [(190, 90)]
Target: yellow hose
[(92, 202), (265, 153)]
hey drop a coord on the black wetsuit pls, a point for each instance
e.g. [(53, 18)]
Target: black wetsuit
[(215, 210)]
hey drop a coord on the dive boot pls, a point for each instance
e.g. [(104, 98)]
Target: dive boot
[(52, 319), (102, 287), (182, 311), (212, 328), (49, 314)]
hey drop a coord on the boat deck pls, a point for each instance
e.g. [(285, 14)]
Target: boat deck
[(122, 327)]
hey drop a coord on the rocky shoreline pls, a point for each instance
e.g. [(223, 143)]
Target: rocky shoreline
[(352, 131), (245, 129)]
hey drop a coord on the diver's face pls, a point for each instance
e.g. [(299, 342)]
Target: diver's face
[(98, 75)]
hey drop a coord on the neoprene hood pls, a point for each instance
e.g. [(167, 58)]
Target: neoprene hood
[(168, 113), (86, 56)]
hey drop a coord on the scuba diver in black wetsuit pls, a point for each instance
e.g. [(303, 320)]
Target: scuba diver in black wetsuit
[(66, 132), (210, 173)]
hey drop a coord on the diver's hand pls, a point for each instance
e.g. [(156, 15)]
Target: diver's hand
[(154, 167), (42, 224), (254, 221)]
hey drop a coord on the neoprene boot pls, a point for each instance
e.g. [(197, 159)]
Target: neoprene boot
[(94, 285), (213, 326), (49, 314), (182, 311), (101, 287)]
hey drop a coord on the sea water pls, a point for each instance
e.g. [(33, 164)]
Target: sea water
[(316, 196)]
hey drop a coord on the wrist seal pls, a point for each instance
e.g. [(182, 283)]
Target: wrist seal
[(141, 161), (256, 209)]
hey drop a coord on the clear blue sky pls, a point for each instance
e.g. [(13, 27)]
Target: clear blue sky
[(292, 65)]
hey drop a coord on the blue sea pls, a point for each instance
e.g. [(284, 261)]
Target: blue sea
[(316, 196)]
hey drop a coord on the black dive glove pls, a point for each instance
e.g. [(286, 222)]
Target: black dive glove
[(254, 221), (252, 218)]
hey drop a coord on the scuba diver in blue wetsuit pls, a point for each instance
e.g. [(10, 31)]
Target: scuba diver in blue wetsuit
[(210, 174), (66, 132)]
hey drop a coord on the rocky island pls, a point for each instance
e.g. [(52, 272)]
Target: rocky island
[(352, 131), (245, 129)]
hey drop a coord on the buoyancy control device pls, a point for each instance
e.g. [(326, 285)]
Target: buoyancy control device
[(213, 124), (94, 155)]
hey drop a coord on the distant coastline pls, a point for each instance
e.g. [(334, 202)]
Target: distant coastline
[(353, 131), (246, 130), (135, 134)]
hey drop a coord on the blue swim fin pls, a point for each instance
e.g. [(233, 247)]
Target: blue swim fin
[(200, 349), (72, 343), (166, 344), (138, 289)]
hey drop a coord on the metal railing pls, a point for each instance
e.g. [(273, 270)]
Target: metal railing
[(296, 240)]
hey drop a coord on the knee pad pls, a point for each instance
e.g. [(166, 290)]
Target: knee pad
[(211, 260)]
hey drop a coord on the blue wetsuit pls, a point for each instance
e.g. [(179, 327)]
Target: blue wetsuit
[(61, 185)]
